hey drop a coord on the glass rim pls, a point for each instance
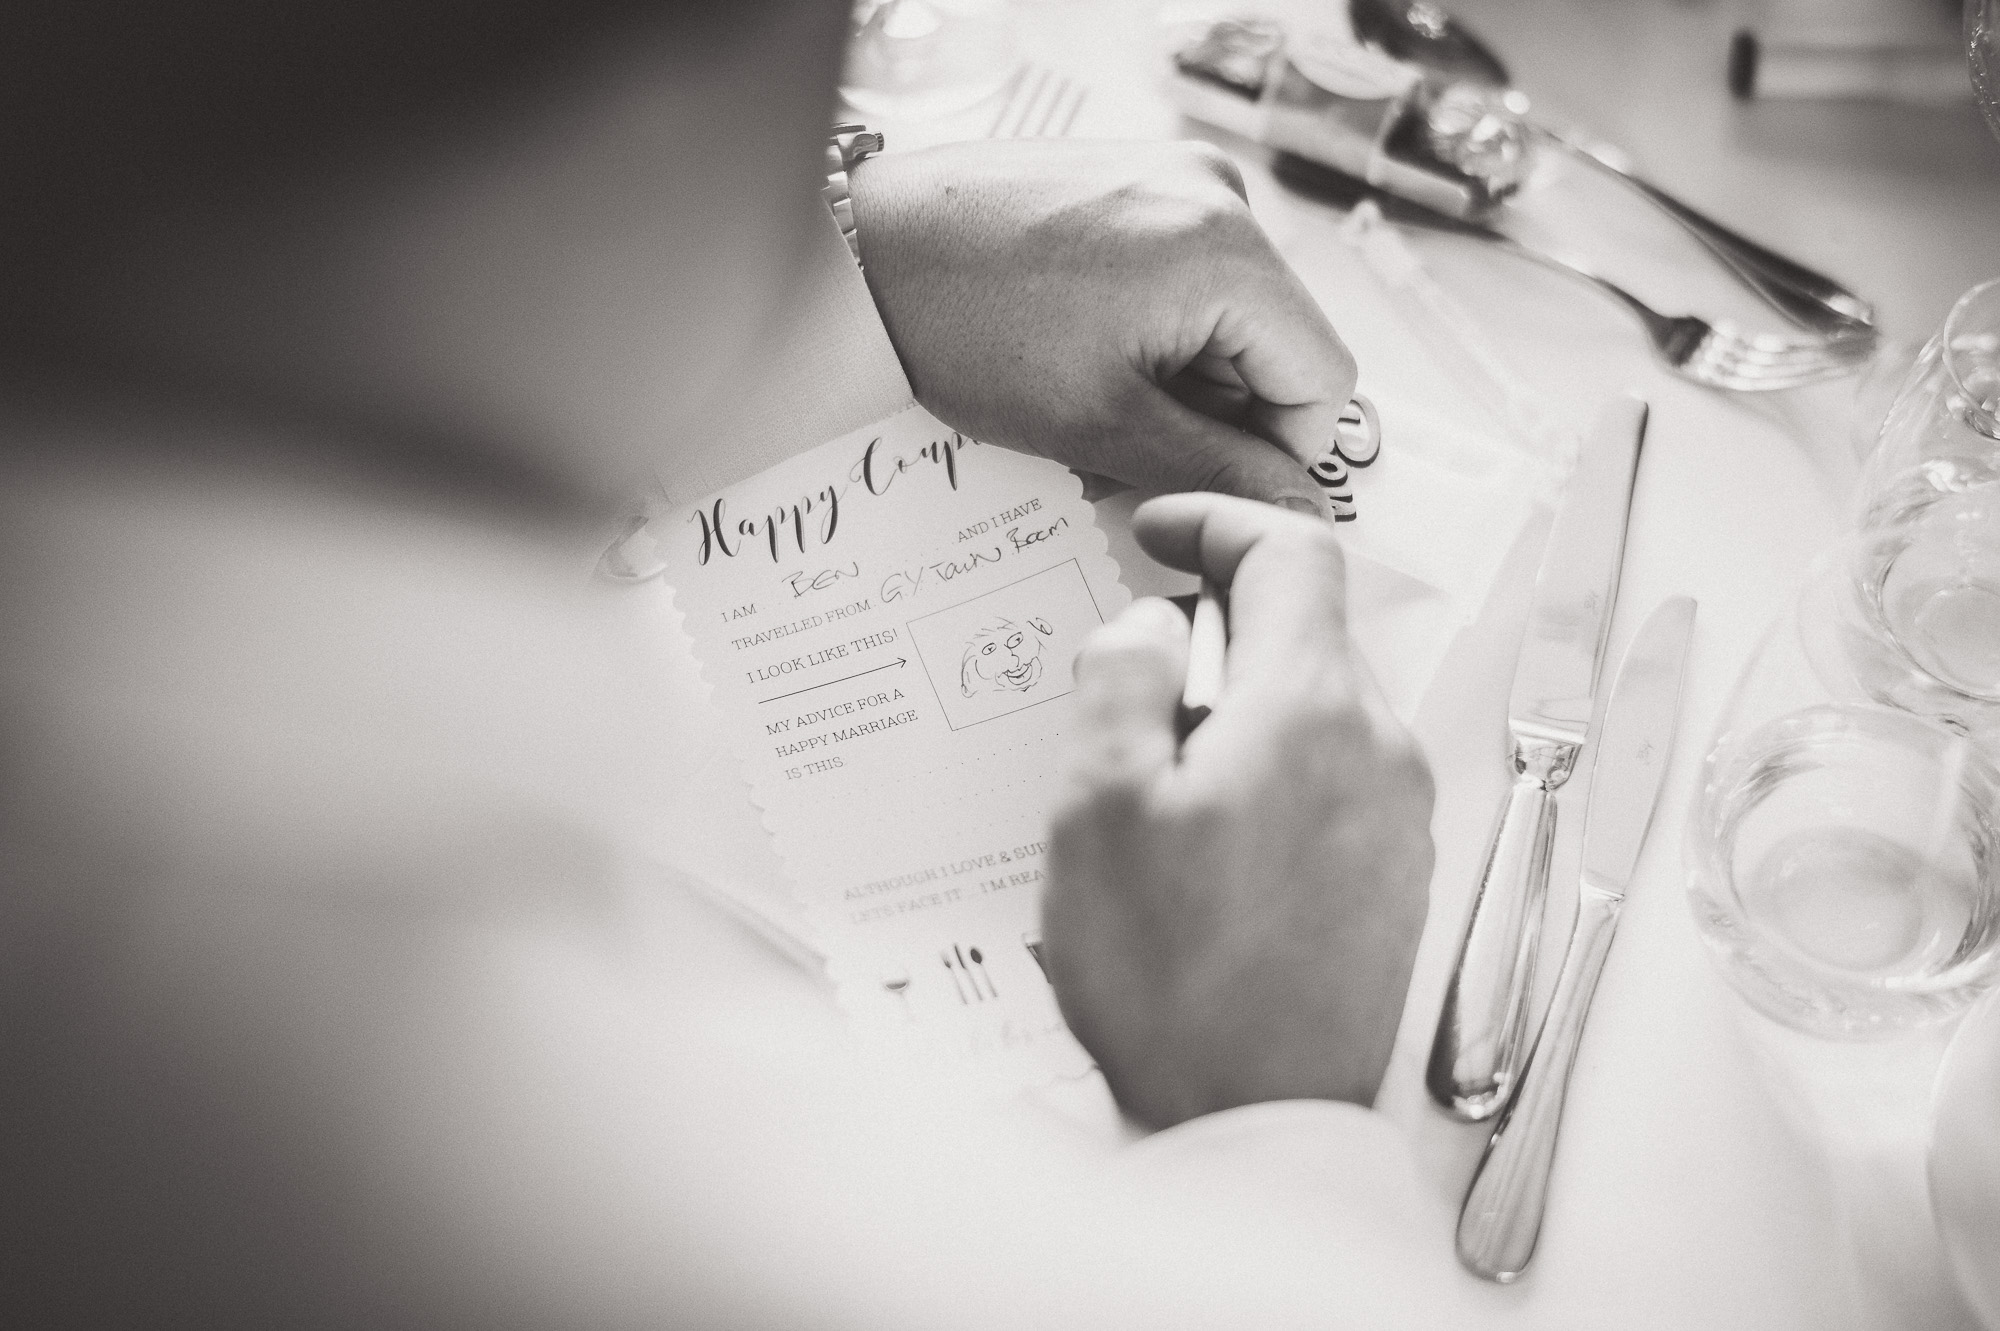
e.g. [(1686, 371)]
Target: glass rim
[(1984, 418), (1976, 772), (1867, 582), (1715, 891)]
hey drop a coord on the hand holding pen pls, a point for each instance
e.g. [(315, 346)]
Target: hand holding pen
[(1233, 909)]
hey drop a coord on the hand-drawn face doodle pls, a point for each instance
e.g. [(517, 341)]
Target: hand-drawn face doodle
[(1004, 655)]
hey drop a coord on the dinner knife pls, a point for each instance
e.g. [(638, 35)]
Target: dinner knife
[(1475, 1056), (1502, 1217)]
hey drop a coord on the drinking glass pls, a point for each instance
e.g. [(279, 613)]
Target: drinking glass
[(1913, 600), (1909, 610), (1844, 856), (1982, 44), (1942, 433), (1965, 1158), (917, 60)]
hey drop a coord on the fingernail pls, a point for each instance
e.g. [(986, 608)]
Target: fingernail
[(1300, 504)]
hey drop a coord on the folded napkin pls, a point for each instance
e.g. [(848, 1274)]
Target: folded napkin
[(1467, 455)]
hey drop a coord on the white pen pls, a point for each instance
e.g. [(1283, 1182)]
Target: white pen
[(1208, 644)]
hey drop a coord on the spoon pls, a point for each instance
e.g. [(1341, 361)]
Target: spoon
[(977, 997), (1424, 35), (980, 962)]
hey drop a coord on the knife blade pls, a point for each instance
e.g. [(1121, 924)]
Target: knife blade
[(1555, 679), (1633, 747), (1475, 1055), (1502, 1216)]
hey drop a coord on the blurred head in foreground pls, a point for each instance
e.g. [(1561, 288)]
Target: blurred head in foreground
[(287, 293), (520, 238)]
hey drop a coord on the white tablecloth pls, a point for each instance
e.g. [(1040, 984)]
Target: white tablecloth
[(1688, 1190)]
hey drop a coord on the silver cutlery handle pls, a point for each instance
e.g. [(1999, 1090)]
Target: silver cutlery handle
[(1810, 297), (1502, 1217), (1477, 1050)]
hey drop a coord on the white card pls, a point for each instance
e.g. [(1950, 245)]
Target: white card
[(888, 622)]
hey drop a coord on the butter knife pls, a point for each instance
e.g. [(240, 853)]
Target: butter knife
[(1476, 1053), (1502, 1217)]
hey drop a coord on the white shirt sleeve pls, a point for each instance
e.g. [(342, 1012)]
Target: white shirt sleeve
[(1351, 1156)]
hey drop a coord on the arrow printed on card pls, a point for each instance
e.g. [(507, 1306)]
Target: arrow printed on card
[(896, 664)]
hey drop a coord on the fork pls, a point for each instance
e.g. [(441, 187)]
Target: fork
[(1721, 354), (1717, 354), (1811, 299), (1040, 104)]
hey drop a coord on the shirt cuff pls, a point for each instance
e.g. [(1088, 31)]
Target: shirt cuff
[(1320, 1147)]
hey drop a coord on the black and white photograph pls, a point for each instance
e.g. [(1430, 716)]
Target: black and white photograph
[(1363, 687)]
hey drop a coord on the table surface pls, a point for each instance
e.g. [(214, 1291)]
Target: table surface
[(1695, 1185), (1713, 1172)]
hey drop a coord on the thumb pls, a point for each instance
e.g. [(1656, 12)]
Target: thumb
[(1172, 447), (1128, 681)]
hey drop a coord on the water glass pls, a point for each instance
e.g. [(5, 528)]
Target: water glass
[(1910, 610), (1982, 47), (1942, 433), (1844, 856), (1912, 602), (1965, 1158), (917, 60)]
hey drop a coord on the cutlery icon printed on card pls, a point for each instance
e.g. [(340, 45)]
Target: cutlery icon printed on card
[(1033, 942), (976, 981), (899, 985)]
